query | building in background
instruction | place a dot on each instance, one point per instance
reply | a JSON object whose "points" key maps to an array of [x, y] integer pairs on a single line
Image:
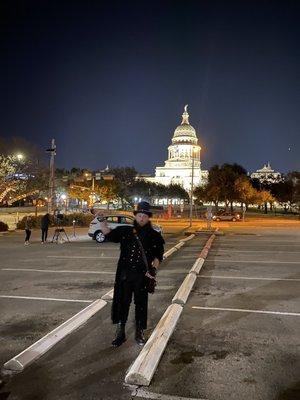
{"points": [[183, 159], [267, 175]]}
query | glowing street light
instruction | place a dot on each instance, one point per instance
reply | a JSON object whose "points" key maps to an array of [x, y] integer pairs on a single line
{"points": [[20, 156]]}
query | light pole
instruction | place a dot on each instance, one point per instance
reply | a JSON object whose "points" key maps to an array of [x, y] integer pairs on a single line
{"points": [[192, 187], [52, 152]]}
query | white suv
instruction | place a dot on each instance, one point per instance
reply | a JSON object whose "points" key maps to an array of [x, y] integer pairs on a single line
{"points": [[112, 221]]}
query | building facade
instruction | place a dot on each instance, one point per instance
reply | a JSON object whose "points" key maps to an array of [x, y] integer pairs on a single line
{"points": [[267, 175], [184, 161]]}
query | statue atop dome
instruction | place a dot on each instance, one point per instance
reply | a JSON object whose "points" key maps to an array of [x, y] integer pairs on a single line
{"points": [[185, 116]]}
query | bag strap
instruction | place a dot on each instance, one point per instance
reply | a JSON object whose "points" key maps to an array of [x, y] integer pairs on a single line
{"points": [[142, 250]]}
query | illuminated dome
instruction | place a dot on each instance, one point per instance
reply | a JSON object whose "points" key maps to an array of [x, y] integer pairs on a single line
{"points": [[185, 132]]}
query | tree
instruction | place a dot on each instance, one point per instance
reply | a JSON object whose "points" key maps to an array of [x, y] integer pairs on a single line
{"points": [[23, 172], [124, 178], [283, 193], [245, 191], [265, 197], [80, 193], [107, 191], [221, 184], [8, 181]]}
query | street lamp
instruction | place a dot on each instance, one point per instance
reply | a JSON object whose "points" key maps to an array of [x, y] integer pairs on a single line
{"points": [[19, 156], [194, 151], [52, 152]]}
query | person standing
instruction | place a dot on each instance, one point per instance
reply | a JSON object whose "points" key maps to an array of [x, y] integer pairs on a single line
{"points": [[28, 226], [132, 269], [45, 221]]}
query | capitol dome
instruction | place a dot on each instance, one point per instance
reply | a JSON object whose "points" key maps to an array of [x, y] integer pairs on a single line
{"points": [[185, 132]]}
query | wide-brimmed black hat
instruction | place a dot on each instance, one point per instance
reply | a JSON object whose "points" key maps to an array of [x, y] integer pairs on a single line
{"points": [[144, 208]]}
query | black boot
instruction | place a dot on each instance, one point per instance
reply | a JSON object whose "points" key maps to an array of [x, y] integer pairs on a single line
{"points": [[120, 335], [139, 335]]}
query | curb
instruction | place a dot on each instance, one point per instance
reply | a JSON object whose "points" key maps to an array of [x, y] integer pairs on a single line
{"points": [[187, 238], [177, 246], [143, 368], [37, 349], [196, 268], [108, 296], [184, 290]]}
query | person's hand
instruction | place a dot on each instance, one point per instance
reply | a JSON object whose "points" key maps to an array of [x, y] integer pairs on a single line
{"points": [[103, 224], [104, 227], [155, 263]]}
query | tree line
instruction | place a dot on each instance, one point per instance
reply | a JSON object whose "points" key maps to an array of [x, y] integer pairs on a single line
{"points": [[229, 184], [28, 177], [125, 188]]}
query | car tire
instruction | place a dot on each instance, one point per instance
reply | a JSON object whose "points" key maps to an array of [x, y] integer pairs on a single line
{"points": [[218, 219], [99, 237], [233, 219]]}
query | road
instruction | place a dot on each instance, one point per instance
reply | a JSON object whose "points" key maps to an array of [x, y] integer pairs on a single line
{"points": [[237, 337]]}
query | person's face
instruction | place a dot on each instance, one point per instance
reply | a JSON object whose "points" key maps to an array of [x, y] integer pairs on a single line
{"points": [[142, 219]]}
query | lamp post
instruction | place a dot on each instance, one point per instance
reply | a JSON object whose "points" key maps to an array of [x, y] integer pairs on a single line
{"points": [[52, 152], [192, 187]]}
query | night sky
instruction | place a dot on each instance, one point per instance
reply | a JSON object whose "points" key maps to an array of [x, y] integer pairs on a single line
{"points": [[109, 80]]}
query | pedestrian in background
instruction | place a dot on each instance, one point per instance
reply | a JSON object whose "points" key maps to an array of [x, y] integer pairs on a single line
{"points": [[140, 245], [45, 222], [28, 227]]}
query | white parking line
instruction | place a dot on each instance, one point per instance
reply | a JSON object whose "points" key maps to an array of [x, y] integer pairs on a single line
{"points": [[258, 243], [45, 299], [246, 311], [64, 271], [252, 251], [248, 278], [253, 262], [84, 257], [98, 248]]}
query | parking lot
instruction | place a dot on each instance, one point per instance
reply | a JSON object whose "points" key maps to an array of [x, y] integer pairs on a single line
{"points": [[44, 285], [237, 338]]}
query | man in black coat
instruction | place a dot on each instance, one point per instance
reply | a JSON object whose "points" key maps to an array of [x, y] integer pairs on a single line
{"points": [[130, 276], [45, 221]]}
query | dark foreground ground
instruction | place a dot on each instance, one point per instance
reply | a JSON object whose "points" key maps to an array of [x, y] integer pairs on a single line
{"points": [[238, 336]]}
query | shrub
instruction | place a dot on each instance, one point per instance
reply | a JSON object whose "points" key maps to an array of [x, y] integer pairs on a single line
{"points": [[3, 227], [80, 218], [35, 222]]}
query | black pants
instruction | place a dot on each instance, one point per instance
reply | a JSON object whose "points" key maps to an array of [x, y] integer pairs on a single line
{"points": [[44, 234], [134, 286], [28, 234]]}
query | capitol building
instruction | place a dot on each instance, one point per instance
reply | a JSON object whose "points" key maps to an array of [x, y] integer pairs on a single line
{"points": [[184, 161]]}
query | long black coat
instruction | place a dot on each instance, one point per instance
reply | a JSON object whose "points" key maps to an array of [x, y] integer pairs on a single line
{"points": [[153, 244], [45, 221]]}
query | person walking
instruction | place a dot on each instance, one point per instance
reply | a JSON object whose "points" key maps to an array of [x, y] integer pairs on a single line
{"points": [[45, 222], [28, 227], [139, 244]]}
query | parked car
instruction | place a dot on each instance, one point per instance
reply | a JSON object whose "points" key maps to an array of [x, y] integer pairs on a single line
{"points": [[113, 221], [226, 216]]}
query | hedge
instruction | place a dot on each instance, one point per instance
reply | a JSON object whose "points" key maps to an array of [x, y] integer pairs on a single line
{"points": [[81, 220], [3, 227]]}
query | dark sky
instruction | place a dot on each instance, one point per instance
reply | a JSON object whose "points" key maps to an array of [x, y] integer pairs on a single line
{"points": [[108, 80]]}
